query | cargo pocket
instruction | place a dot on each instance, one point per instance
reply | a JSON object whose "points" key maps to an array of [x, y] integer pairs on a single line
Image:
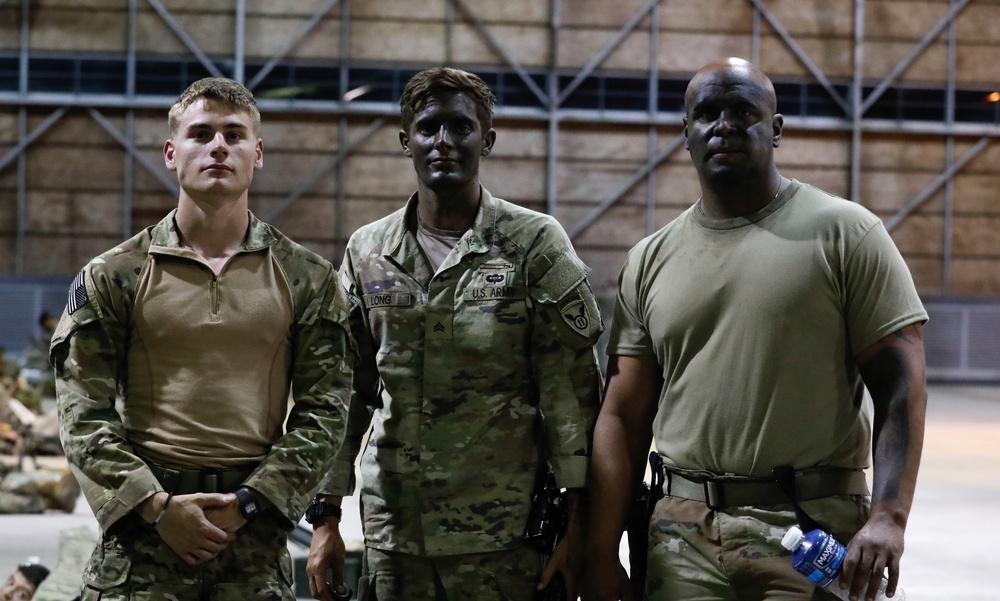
{"points": [[379, 585], [286, 571], [106, 575]]}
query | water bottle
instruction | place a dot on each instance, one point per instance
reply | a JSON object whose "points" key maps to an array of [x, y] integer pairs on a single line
{"points": [[818, 556]]}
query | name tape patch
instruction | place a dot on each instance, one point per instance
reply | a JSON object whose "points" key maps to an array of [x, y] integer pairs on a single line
{"points": [[485, 293], [388, 299]]}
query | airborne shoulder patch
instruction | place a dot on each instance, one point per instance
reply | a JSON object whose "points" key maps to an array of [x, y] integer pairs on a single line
{"points": [[77, 293]]}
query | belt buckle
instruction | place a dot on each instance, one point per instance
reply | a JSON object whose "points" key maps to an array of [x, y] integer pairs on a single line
{"points": [[715, 496], [211, 481]]}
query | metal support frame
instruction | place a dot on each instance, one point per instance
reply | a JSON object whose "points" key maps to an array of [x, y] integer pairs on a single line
{"points": [[27, 139], [799, 53], [301, 35], [605, 52], [500, 51], [182, 35], [127, 143], [551, 97], [651, 134], [915, 52], [949, 158], [856, 113], [939, 181], [647, 168], [322, 171]]}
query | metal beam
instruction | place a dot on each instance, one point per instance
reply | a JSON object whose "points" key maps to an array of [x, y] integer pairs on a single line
{"points": [[652, 107], [939, 181], [800, 53], [22, 57], [755, 37], [340, 196], [856, 112], [26, 141], [949, 158], [308, 27], [605, 204], [185, 38], [552, 138], [321, 172], [495, 45], [914, 53], [239, 37], [22, 197], [609, 117], [130, 58], [605, 52], [128, 180], [127, 144]]}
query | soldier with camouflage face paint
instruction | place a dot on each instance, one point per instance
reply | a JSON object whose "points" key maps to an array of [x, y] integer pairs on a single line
{"points": [[476, 326], [203, 324]]}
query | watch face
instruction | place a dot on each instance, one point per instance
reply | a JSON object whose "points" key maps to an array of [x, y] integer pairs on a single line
{"points": [[248, 504]]}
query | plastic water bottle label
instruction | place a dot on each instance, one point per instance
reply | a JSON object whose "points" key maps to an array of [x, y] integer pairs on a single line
{"points": [[825, 566]]}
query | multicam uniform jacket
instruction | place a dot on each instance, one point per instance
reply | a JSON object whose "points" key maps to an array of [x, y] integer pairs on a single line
{"points": [[468, 377], [90, 351]]}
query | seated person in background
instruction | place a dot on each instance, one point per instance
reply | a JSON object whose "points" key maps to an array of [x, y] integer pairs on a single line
{"points": [[23, 583]]}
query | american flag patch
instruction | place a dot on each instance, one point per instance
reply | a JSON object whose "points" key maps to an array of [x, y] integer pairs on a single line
{"points": [[77, 293]]}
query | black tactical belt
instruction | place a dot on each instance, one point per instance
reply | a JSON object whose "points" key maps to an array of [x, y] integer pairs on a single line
{"points": [[728, 492], [186, 482]]}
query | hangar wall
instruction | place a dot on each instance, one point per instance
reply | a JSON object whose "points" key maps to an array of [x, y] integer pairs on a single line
{"points": [[81, 169]]}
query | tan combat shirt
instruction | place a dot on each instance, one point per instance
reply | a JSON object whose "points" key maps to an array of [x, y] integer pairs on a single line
{"points": [[204, 365]]}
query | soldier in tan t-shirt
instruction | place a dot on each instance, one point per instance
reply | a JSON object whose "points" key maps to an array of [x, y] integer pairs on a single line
{"points": [[744, 335]]}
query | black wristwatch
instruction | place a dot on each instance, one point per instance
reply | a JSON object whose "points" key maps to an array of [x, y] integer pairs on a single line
{"points": [[317, 510], [249, 507]]}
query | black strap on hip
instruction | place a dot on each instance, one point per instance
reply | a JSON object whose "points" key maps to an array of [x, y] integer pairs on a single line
{"points": [[784, 475]]}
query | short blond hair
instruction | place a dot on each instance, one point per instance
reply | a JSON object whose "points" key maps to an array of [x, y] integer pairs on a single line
{"points": [[222, 89]]}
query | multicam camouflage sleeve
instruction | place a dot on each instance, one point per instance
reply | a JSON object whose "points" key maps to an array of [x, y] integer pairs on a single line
{"points": [[323, 359], [566, 325], [88, 350], [341, 479]]}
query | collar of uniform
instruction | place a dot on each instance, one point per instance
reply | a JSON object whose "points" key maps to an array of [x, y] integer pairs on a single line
{"points": [[484, 225], [480, 240], [165, 234]]}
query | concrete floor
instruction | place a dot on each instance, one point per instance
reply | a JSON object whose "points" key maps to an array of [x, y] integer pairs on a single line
{"points": [[950, 544]]}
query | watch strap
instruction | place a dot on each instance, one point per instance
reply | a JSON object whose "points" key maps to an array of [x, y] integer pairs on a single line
{"points": [[318, 510]]}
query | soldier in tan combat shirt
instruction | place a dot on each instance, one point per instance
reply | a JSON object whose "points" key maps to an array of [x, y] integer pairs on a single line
{"points": [[203, 323]]}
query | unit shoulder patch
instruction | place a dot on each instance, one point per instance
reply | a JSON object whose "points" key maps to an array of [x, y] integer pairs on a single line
{"points": [[575, 315]]}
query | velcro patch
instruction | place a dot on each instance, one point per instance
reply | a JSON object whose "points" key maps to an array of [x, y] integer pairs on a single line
{"points": [[77, 293], [496, 265]]}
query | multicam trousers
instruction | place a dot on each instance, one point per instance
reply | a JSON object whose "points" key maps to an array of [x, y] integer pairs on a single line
{"points": [[735, 554], [135, 564], [510, 575]]}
